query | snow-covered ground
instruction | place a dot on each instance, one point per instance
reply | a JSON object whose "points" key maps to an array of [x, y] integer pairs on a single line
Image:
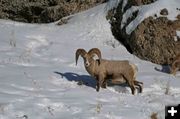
{"points": [[38, 75]]}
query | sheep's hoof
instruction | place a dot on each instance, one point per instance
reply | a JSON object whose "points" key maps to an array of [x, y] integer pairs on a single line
{"points": [[80, 83], [97, 89], [103, 86]]}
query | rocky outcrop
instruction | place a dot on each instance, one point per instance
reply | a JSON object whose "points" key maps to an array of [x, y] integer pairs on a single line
{"points": [[42, 11], [155, 39]]}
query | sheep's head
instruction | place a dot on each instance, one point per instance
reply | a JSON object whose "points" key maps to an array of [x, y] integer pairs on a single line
{"points": [[88, 57]]}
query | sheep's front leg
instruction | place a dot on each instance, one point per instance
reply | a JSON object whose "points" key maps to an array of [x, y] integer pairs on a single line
{"points": [[100, 82], [104, 84], [97, 83], [97, 86]]}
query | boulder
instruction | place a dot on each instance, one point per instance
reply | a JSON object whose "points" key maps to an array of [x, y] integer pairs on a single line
{"points": [[155, 39]]}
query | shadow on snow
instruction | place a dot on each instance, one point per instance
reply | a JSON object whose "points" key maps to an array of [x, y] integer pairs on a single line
{"points": [[80, 79], [91, 82], [165, 69]]}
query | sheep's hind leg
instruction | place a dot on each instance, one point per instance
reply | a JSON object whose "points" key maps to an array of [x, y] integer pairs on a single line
{"points": [[139, 85], [135, 81], [132, 86]]}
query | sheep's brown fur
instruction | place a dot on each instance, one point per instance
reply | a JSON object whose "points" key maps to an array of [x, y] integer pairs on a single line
{"points": [[175, 66], [117, 71]]}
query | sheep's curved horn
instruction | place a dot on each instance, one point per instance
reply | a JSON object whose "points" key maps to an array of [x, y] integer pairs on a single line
{"points": [[95, 51], [81, 52]]}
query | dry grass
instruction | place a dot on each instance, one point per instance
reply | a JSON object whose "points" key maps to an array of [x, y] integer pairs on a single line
{"points": [[154, 115], [167, 89], [98, 108], [63, 21]]}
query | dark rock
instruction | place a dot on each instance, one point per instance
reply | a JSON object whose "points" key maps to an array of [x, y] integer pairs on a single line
{"points": [[164, 11], [157, 45]]}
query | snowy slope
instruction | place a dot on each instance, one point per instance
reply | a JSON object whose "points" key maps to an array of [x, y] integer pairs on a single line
{"points": [[38, 75]]}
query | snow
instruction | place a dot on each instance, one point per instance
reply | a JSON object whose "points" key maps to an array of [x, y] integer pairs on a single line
{"points": [[178, 33], [177, 36], [112, 4], [124, 4], [38, 75]]}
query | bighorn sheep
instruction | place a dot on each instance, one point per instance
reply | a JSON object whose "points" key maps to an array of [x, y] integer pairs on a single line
{"points": [[175, 66], [102, 69]]}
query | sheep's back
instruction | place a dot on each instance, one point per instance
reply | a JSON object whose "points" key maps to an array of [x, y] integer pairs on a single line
{"points": [[112, 66]]}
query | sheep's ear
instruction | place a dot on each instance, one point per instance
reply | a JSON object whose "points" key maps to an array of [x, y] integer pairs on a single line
{"points": [[81, 52], [98, 61], [95, 57]]}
